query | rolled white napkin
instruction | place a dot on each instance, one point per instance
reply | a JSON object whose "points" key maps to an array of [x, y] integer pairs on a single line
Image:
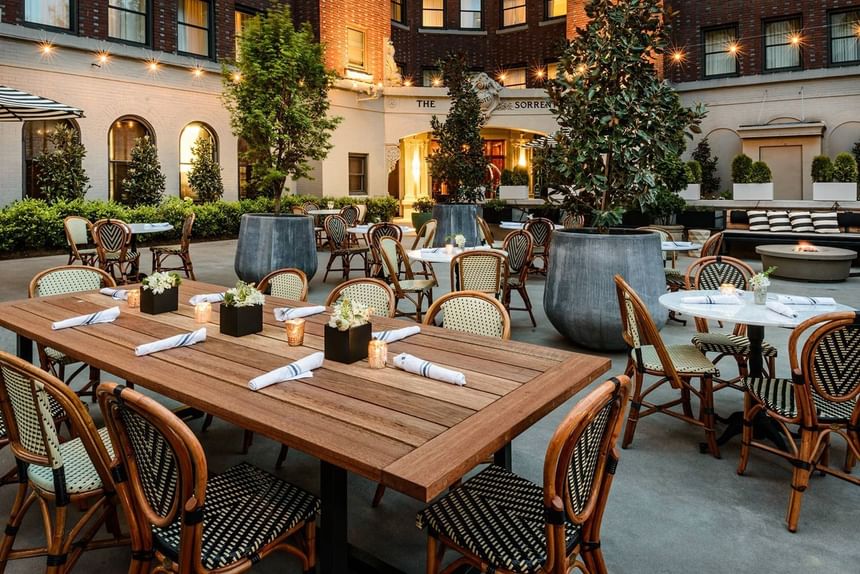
{"points": [[396, 334], [105, 316], [431, 249], [712, 300], [801, 300], [287, 313], [782, 309], [118, 294], [181, 340], [206, 298], [427, 369], [301, 369]]}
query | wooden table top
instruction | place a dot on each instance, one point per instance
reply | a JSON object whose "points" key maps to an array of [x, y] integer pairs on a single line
{"points": [[411, 433]]}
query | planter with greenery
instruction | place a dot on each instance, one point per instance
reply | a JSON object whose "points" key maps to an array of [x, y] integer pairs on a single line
{"points": [[834, 180], [422, 211], [622, 133], [497, 210], [693, 191], [61, 175], [752, 180], [242, 311], [514, 184]]}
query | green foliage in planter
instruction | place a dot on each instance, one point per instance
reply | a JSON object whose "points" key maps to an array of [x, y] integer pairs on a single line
{"points": [[822, 169], [663, 206], [516, 176], [760, 173], [423, 205], [710, 180], [741, 167], [495, 204], [205, 175], [145, 182], [694, 172], [845, 168], [61, 174], [381, 208]]}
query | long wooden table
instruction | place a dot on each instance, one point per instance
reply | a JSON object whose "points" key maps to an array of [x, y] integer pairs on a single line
{"points": [[412, 434]]}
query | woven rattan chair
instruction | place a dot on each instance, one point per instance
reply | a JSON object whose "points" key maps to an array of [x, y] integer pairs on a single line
{"points": [[370, 292], [350, 214], [500, 522], [713, 246], [709, 273], [518, 245], [194, 522], [820, 401], [541, 230], [374, 234], [52, 473], [113, 240], [674, 276], [676, 365], [182, 251], [319, 230], [480, 270], [394, 258], [79, 232], [424, 240], [338, 243], [59, 281], [286, 283], [471, 312], [485, 234], [572, 220]]}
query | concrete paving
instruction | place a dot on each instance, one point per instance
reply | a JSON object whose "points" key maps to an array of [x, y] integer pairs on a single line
{"points": [[671, 510]]}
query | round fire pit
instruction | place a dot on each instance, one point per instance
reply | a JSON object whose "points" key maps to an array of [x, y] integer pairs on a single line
{"points": [[807, 262]]}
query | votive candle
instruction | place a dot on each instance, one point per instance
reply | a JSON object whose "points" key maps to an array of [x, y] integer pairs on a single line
{"points": [[377, 354], [295, 332], [133, 298], [449, 248], [727, 289], [203, 312]]}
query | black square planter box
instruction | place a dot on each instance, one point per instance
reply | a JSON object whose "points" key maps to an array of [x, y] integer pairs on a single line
{"points": [[241, 321], [162, 303], [347, 346]]}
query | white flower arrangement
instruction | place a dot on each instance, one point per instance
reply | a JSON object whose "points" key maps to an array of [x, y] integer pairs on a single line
{"points": [[761, 280], [460, 241], [158, 283], [244, 295], [348, 314]]}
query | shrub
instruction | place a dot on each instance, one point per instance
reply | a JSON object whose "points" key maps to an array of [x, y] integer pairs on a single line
{"points": [[516, 176], [741, 167], [845, 168], [495, 204], [423, 205], [205, 175], [61, 174], [381, 208], [760, 173], [822, 169], [710, 179], [694, 171], [145, 182]]}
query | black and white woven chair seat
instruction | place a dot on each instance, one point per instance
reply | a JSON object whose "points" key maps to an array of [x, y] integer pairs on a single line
{"points": [[59, 357], [778, 396], [115, 255], [726, 343], [674, 277], [499, 516], [78, 469], [514, 281], [687, 359], [172, 249], [246, 508]]}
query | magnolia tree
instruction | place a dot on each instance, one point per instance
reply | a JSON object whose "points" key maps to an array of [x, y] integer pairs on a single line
{"points": [[144, 181], [61, 174], [277, 96], [205, 174]]}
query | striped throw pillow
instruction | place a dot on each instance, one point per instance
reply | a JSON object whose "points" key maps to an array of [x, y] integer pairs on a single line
{"points": [[801, 222], [825, 222], [758, 221], [778, 221]]}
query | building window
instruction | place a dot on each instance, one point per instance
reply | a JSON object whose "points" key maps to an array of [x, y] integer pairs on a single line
{"points": [[36, 143], [355, 49], [245, 171], [358, 174], [194, 20], [127, 20], [189, 136], [514, 78], [53, 13], [398, 11], [845, 37], [240, 22], [555, 8], [431, 78], [433, 14], [470, 14], [720, 59], [782, 44], [552, 70], [122, 136], [513, 12]]}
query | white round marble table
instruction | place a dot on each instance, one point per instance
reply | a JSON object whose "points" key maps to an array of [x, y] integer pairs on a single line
{"points": [[441, 255], [363, 229], [323, 212], [679, 246], [143, 228], [520, 225]]}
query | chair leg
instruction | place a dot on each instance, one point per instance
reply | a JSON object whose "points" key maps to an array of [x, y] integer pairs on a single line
{"points": [[207, 422], [633, 416], [747, 436], [377, 496], [55, 540], [247, 441], [16, 516], [282, 456], [800, 477], [328, 267], [708, 414], [311, 546], [435, 550], [528, 303]]}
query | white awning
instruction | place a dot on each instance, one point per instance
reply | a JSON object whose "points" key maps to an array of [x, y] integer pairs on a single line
{"points": [[18, 106]]}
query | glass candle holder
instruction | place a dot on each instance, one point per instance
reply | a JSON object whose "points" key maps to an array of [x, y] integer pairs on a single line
{"points": [[133, 298], [203, 312], [295, 332], [728, 289], [449, 248], [377, 354]]}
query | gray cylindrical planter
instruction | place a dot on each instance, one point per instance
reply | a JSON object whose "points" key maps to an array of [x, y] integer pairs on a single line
{"points": [[268, 242], [580, 298], [456, 218]]}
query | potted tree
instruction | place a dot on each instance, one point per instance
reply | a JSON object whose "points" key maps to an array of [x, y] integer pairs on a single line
{"points": [[459, 160], [693, 191], [622, 130], [752, 180], [277, 96], [514, 184], [834, 181]]}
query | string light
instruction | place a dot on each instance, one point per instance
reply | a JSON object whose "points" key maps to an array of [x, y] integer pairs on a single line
{"points": [[678, 56], [236, 77], [46, 48], [734, 48], [581, 69], [197, 71], [502, 77], [795, 39], [152, 65], [539, 73], [102, 57], [436, 81], [407, 82]]}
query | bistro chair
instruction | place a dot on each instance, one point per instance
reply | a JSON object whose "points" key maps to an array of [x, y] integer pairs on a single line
{"points": [[480, 270], [409, 288], [518, 245], [471, 312], [374, 234], [338, 244], [161, 254], [572, 220], [350, 214], [54, 473], [373, 293], [485, 234], [287, 283], [59, 281], [674, 276], [541, 230], [500, 522], [319, 230], [79, 231], [424, 240], [709, 273], [190, 521], [113, 240], [677, 365], [822, 399], [713, 246]]}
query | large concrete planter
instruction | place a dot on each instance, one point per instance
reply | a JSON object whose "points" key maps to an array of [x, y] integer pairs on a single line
{"points": [[692, 192], [268, 242], [759, 191], [822, 191], [580, 298], [456, 218]]}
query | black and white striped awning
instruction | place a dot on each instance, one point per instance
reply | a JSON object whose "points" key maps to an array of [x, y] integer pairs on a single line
{"points": [[18, 106]]}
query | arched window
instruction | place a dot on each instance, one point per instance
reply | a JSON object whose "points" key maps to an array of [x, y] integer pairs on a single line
{"points": [[36, 142], [244, 170], [190, 134], [121, 138]]}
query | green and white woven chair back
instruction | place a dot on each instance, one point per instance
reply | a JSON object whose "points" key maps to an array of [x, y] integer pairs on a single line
{"points": [[479, 273], [77, 228], [381, 230], [632, 324], [309, 206], [715, 273], [572, 220], [541, 231], [287, 286], [472, 315], [388, 246], [350, 214], [429, 234], [68, 281], [31, 409], [369, 294], [836, 364], [335, 228], [112, 236], [517, 245], [582, 471]]}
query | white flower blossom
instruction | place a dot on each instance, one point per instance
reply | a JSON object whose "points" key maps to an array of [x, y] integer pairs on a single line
{"points": [[244, 295], [158, 283], [348, 314]]}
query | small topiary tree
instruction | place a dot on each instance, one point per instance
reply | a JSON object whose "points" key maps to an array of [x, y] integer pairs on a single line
{"points": [[205, 175], [741, 166], [845, 168], [61, 174], [694, 171], [144, 184], [856, 152], [516, 176], [710, 180], [822, 169], [760, 173]]}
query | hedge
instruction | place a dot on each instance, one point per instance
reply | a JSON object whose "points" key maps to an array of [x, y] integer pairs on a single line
{"points": [[32, 225]]}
